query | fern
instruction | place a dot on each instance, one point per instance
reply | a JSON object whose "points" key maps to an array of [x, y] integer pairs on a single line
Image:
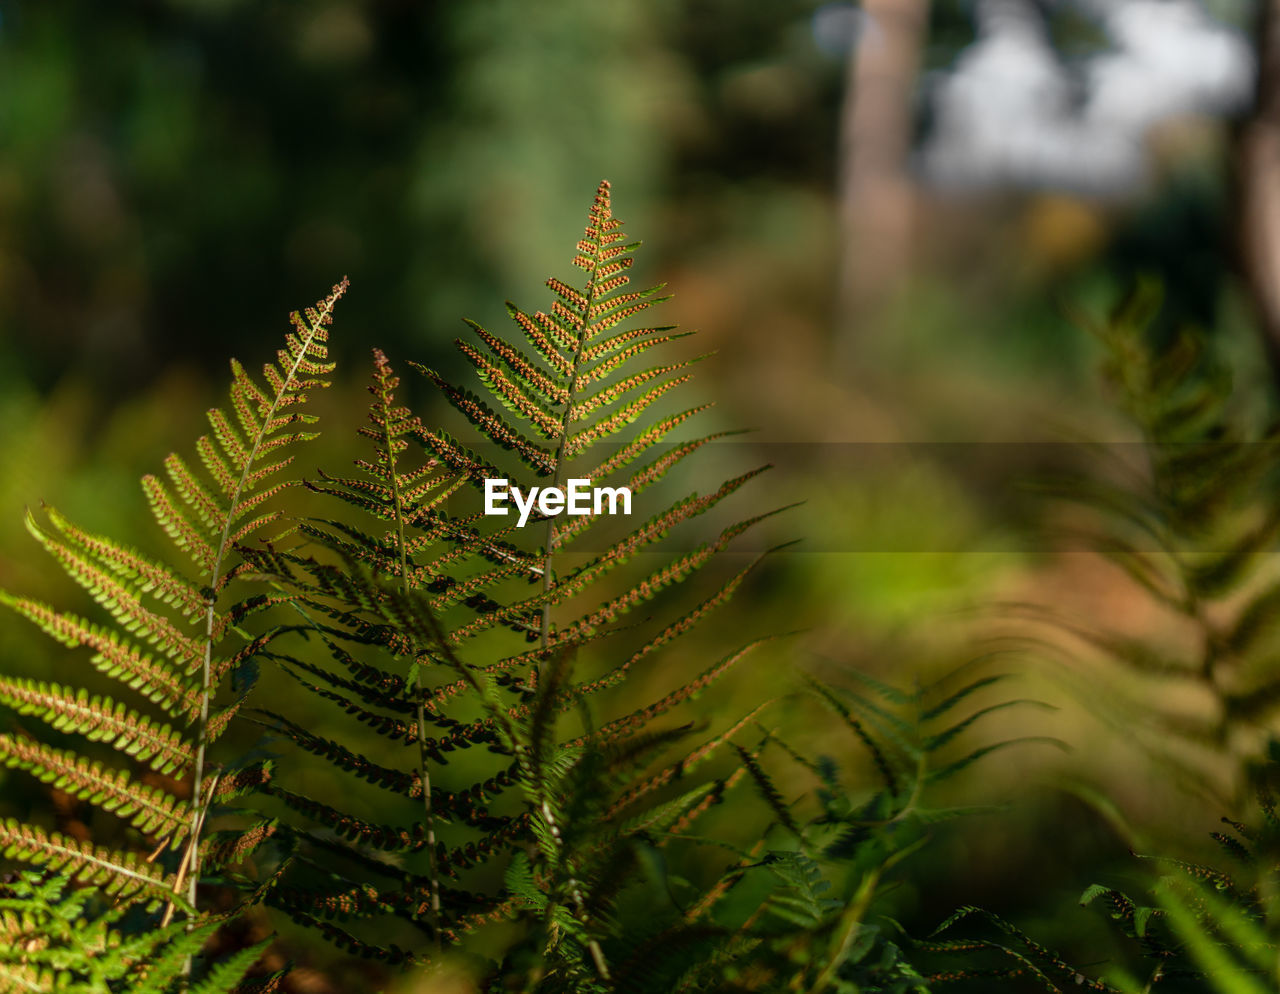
{"points": [[1190, 527], [417, 606], [52, 940], [475, 665], [1206, 928], [173, 638], [803, 909], [1234, 952], [1211, 926], [410, 603]]}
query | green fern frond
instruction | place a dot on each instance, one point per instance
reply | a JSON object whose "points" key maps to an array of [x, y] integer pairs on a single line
{"points": [[1026, 958], [52, 939], [114, 655], [767, 789], [804, 901], [100, 719], [1192, 526], [170, 638]]}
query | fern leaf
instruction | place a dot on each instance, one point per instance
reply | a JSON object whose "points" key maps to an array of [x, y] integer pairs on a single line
{"points": [[938, 739], [607, 396], [118, 875], [159, 970], [681, 768], [166, 637], [185, 535], [768, 790], [615, 351], [878, 756], [227, 974], [416, 585], [148, 809], [113, 655], [120, 599], [391, 955], [951, 769], [148, 575], [544, 387], [492, 425], [587, 438], [641, 717], [666, 635], [639, 481], [99, 719]]}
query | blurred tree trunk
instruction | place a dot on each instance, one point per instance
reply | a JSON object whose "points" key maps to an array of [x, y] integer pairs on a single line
{"points": [[1259, 165], [876, 194]]}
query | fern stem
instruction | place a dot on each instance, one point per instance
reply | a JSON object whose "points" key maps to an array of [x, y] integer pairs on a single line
{"points": [[575, 894], [191, 858], [557, 475], [199, 801], [428, 815], [557, 479], [424, 774], [850, 925]]}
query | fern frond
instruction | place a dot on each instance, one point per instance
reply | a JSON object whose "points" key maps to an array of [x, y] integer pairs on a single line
{"points": [[1192, 527], [418, 600], [170, 638], [226, 975], [121, 599], [53, 939], [641, 717], [676, 770], [113, 655]]}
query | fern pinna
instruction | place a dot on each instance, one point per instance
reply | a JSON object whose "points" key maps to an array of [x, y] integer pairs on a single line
{"points": [[483, 612], [173, 638]]}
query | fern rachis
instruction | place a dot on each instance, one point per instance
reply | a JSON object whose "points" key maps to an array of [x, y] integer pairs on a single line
{"points": [[305, 356]]}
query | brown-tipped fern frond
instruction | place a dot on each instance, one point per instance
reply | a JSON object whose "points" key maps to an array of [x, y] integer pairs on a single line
{"points": [[171, 638], [442, 629]]}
